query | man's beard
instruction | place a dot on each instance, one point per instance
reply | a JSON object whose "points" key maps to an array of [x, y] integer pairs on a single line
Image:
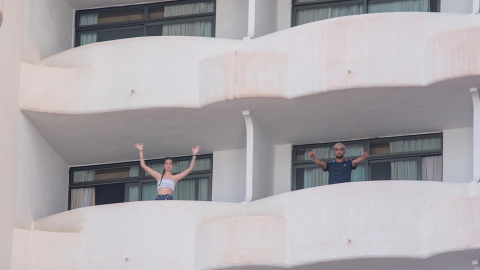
{"points": [[339, 156]]}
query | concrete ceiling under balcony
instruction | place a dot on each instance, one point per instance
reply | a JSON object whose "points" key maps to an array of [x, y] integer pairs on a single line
{"points": [[331, 116]]}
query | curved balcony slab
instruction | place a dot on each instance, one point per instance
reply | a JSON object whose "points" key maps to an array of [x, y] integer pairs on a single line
{"points": [[420, 224], [354, 52]]}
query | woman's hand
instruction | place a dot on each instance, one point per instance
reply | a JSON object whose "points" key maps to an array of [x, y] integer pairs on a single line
{"points": [[139, 146], [196, 149]]}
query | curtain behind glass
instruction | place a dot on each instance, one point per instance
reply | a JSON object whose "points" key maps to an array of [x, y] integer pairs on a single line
{"points": [[400, 6], [88, 19], [432, 168], [187, 9], [404, 170], [133, 172], [358, 174], [203, 189], [133, 193], [318, 14], [314, 177], [185, 190], [415, 145], [83, 176], [82, 197], [200, 165], [194, 29], [149, 191]]}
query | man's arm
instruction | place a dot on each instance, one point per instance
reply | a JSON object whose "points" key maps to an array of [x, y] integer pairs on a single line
{"points": [[320, 163], [360, 159]]}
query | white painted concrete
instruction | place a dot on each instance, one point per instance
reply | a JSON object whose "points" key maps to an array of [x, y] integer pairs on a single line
{"points": [[283, 169], [265, 17], [233, 245], [48, 29], [382, 219], [296, 62], [456, 6], [284, 14], [476, 134], [42, 188], [260, 160], [10, 55], [228, 176], [458, 155], [231, 19], [1, 12]]}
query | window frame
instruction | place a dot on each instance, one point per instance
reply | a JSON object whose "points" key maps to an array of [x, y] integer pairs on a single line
{"points": [[372, 158], [434, 6], [141, 179], [145, 21]]}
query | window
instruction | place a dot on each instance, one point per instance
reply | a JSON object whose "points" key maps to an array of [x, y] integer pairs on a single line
{"points": [[179, 18], [398, 158], [127, 182], [305, 11]]}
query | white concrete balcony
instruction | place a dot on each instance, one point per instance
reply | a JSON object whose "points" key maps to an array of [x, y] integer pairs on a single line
{"points": [[1, 12], [389, 68], [363, 225]]}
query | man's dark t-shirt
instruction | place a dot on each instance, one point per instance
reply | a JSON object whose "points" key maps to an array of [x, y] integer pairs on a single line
{"points": [[339, 172]]}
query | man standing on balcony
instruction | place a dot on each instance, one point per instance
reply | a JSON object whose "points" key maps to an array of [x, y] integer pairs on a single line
{"points": [[340, 169]]}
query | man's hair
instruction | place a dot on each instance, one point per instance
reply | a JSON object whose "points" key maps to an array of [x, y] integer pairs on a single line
{"points": [[341, 144]]}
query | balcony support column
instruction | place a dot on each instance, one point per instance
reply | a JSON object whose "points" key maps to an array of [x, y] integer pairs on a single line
{"points": [[476, 134], [260, 160], [476, 7]]}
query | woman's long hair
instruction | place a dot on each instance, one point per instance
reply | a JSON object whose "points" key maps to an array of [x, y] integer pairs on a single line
{"points": [[167, 158]]}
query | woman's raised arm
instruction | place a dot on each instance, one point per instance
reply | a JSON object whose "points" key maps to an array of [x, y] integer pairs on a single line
{"points": [[149, 170]]}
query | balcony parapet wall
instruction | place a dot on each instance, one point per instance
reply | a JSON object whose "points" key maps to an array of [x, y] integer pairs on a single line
{"points": [[360, 220], [364, 51]]}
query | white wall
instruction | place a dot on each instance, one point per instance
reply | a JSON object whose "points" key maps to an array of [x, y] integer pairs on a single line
{"points": [[283, 169], [260, 160], [265, 17], [284, 14], [458, 155], [10, 55], [456, 6], [231, 19], [42, 188], [48, 29], [228, 176]]}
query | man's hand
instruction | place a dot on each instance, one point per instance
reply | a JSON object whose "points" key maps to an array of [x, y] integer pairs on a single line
{"points": [[312, 154], [364, 154]]}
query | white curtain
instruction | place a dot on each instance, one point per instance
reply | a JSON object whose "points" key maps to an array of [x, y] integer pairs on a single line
{"points": [[404, 170], [400, 6], [83, 176], [82, 197], [432, 168], [185, 190], [194, 29], [133, 192], [88, 19], [200, 165], [314, 177], [358, 174], [149, 191], [187, 9], [415, 145], [133, 172], [203, 189], [317, 14]]}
